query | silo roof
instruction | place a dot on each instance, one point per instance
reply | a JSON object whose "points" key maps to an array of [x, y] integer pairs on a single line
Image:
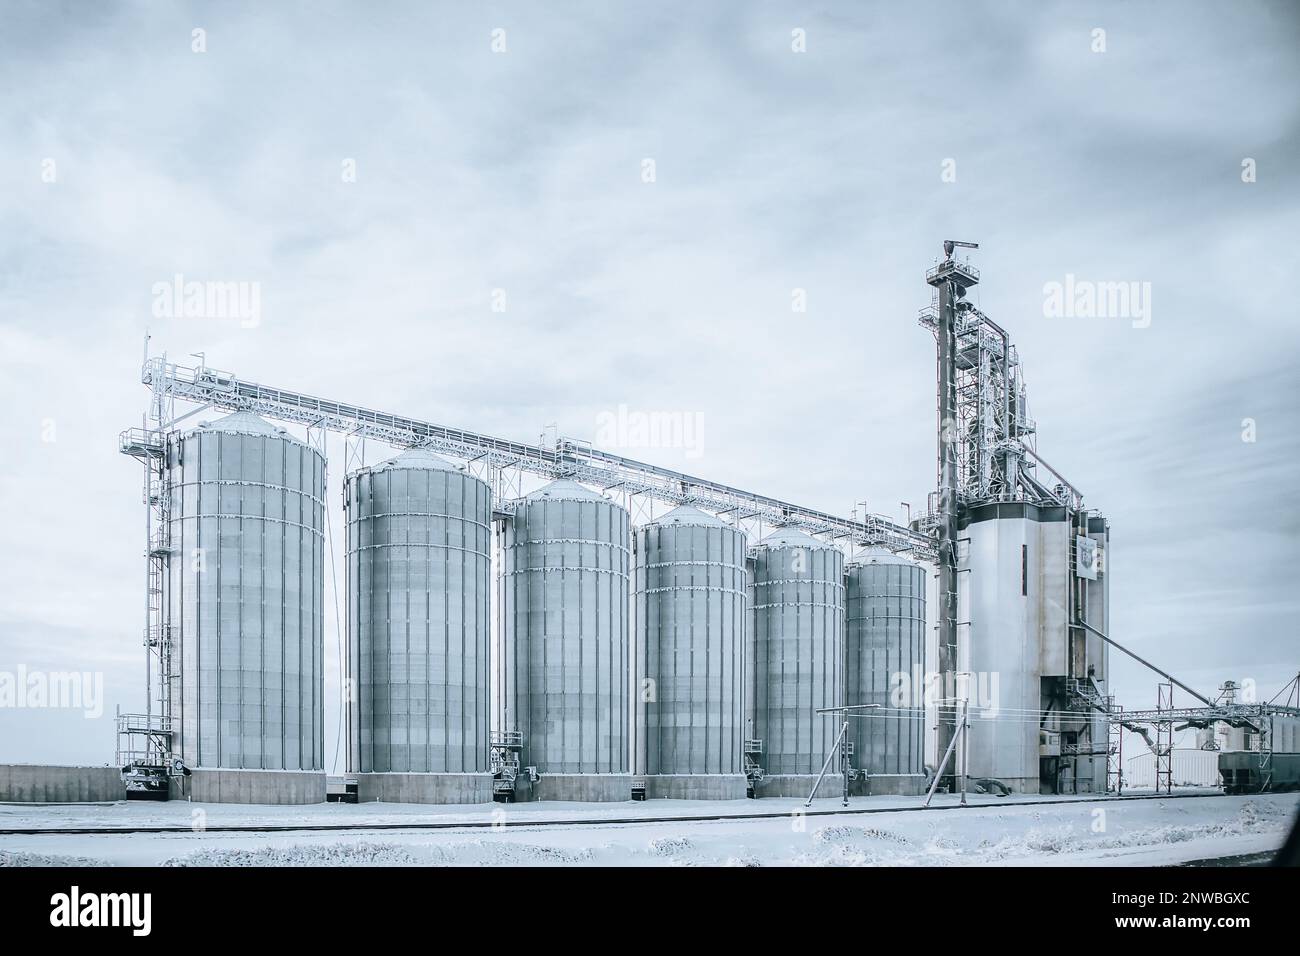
{"points": [[686, 514], [246, 423], [417, 457], [565, 489], [876, 554], [791, 537]]}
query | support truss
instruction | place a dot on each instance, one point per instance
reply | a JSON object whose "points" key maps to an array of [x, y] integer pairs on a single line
{"points": [[996, 455], [500, 461]]}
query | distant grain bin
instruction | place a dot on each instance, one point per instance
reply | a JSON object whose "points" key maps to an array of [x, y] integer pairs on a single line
{"points": [[565, 643], [689, 610], [418, 585], [246, 593], [796, 657], [884, 652]]}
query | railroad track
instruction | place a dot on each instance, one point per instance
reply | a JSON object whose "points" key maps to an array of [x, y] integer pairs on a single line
{"points": [[524, 824]]}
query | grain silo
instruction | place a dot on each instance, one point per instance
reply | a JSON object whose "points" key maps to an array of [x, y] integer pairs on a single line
{"points": [[1013, 591], [884, 651], [565, 665], [689, 611], [245, 588], [796, 658], [1033, 606], [418, 579]]}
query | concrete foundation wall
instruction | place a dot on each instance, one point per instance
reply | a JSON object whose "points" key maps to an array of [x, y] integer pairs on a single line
{"points": [[582, 787], [799, 785], [250, 786], [695, 786], [37, 783], [424, 787], [890, 784]]}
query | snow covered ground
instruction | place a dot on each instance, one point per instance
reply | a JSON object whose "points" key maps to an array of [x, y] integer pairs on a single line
{"points": [[1050, 832]]}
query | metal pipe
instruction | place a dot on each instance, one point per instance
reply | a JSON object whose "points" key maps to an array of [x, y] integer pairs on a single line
{"points": [[965, 747], [947, 526], [148, 582], [1039, 458], [1006, 385], [829, 757], [1167, 676], [939, 770]]}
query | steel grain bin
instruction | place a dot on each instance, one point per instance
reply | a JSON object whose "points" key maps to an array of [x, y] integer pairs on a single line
{"points": [[796, 653], [419, 574], [689, 601], [566, 656], [246, 581], [884, 655]]}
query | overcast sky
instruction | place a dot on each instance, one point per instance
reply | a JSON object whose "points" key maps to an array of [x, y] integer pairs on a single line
{"points": [[128, 158]]}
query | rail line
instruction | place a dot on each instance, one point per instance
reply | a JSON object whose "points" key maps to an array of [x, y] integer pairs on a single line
{"points": [[595, 822]]}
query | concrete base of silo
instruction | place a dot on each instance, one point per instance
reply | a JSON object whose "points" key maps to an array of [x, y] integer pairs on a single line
{"points": [[250, 786], [577, 787], [424, 787], [887, 784], [799, 785], [695, 786], [44, 783]]}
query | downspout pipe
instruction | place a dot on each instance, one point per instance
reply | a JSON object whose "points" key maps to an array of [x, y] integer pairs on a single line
{"points": [[1166, 675]]}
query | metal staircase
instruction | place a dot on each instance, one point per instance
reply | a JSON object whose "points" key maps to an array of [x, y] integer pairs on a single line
{"points": [[753, 761], [504, 748], [145, 745]]}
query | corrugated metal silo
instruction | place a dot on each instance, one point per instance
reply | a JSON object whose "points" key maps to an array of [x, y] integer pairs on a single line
{"points": [[246, 585], [418, 579], [565, 648], [796, 657], [884, 657], [689, 607]]}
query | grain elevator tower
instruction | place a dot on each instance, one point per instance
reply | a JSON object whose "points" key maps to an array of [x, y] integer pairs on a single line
{"points": [[1022, 575]]}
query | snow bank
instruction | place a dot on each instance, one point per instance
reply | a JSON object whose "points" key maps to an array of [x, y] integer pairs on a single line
{"points": [[1107, 832]]}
